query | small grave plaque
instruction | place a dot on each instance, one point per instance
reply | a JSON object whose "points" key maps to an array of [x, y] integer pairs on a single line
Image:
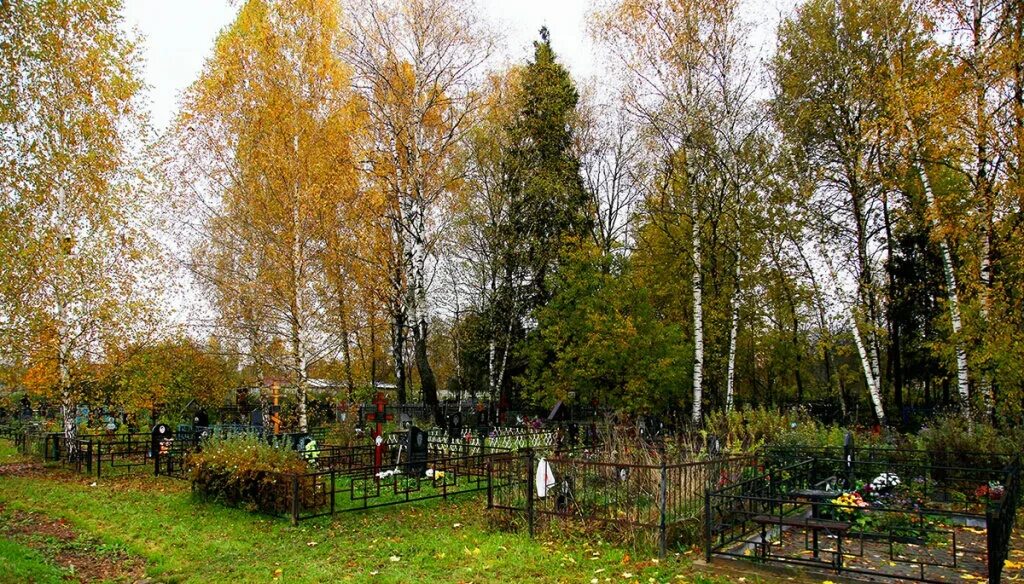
{"points": [[201, 419]]}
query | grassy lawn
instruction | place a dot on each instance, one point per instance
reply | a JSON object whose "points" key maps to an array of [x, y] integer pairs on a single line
{"points": [[20, 563], [155, 527]]}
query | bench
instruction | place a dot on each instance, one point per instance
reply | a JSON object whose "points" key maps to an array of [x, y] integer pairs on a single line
{"points": [[839, 528]]}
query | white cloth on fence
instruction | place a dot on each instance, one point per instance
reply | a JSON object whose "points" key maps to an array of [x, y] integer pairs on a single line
{"points": [[545, 478]]}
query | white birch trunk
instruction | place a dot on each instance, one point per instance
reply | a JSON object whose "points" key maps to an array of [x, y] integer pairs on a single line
{"points": [[67, 402], [698, 320], [985, 381], [733, 333], [492, 373], [298, 350], [871, 379], [963, 383]]}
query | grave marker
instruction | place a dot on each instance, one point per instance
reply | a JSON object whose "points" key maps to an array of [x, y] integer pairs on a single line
{"points": [[201, 419], [162, 437], [379, 417], [417, 443]]}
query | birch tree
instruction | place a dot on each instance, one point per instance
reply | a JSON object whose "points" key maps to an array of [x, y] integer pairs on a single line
{"points": [[416, 65], [684, 83], [265, 168], [75, 242]]}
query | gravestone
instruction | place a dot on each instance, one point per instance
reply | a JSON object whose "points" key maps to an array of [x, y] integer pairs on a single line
{"points": [[714, 447], [416, 441], [848, 458], [574, 435], [201, 419], [162, 437], [256, 418], [26, 408], [405, 420], [566, 496], [455, 425], [559, 412], [591, 439]]}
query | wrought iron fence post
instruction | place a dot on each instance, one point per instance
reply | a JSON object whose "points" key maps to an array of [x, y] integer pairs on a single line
{"points": [[295, 499], [662, 536], [707, 525], [529, 489], [99, 459], [490, 484], [848, 448], [156, 462]]}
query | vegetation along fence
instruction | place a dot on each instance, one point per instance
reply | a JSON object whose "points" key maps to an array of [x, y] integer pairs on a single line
{"points": [[665, 499], [348, 479]]}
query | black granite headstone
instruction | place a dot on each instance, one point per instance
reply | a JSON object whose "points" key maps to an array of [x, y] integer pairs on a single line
{"points": [[455, 425], [162, 437], [201, 419], [417, 444]]}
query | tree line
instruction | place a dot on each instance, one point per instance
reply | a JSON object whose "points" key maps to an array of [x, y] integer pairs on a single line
{"points": [[375, 192]]}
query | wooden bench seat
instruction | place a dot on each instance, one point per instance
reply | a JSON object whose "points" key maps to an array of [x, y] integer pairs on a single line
{"points": [[805, 522]]}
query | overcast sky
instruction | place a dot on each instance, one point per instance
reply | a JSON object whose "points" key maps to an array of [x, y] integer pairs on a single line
{"points": [[178, 36]]}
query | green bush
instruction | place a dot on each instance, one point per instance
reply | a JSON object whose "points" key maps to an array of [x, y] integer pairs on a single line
{"points": [[751, 428], [247, 472], [959, 442]]}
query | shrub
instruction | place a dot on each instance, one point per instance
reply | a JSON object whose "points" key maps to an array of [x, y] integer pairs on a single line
{"points": [[247, 472], [750, 428], [958, 442]]}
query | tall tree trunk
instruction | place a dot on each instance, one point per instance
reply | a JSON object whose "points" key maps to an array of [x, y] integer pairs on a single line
{"points": [[416, 264], [982, 186], [346, 349], [297, 265], [734, 308], [894, 364], [67, 404], [698, 317], [826, 334], [866, 284], [872, 381], [870, 372], [963, 383], [398, 350]]}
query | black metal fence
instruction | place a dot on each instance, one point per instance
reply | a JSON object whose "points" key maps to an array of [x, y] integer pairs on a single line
{"points": [[665, 499], [926, 522], [344, 482], [1000, 517]]}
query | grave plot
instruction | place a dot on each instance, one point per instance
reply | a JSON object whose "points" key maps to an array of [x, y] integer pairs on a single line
{"points": [[660, 502], [887, 514], [344, 479]]}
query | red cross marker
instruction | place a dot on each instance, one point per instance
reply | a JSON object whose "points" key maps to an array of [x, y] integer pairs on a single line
{"points": [[380, 416]]}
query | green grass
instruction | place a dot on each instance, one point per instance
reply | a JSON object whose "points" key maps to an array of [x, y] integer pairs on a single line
{"points": [[7, 452], [185, 541], [157, 521], [19, 563]]}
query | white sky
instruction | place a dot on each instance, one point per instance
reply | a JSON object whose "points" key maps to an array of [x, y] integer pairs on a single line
{"points": [[178, 36]]}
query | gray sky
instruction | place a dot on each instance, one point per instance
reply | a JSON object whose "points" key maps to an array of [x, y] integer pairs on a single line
{"points": [[179, 34]]}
